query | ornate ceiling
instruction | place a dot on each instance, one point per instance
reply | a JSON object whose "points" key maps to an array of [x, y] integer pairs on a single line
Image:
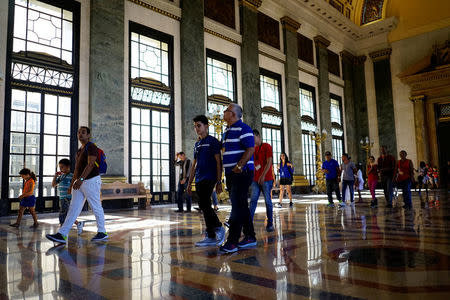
{"points": [[361, 12]]}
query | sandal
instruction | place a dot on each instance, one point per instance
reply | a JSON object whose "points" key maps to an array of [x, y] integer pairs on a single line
{"points": [[16, 225], [35, 225]]}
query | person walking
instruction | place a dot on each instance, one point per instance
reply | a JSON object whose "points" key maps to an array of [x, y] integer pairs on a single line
{"points": [[349, 169], [207, 168], [86, 184], [423, 177], [239, 145], [332, 173], [185, 170], [286, 171], [27, 198], [359, 182], [386, 166], [404, 175], [372, 179], [263, 179]]}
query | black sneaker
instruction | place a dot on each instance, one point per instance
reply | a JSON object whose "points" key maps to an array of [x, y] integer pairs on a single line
{"points": [[373, 204], [57, 238], [269, 228], [247, 242], [291, 204], [100, 236], [179, 211], [229, 248]]}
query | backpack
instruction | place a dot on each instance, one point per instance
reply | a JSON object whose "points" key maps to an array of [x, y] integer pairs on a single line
{"points": [[100, 163]]}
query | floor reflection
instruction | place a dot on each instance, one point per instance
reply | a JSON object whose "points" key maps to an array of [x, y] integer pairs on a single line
{"points": [[314, 252]]}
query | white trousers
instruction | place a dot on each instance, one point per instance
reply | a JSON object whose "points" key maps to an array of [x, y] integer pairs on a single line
{"points": [[90, 190]]}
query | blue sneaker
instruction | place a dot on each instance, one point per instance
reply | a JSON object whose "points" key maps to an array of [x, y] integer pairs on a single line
{"points": [[220, 235], [330, 205], [247, 242], [100, 236], [229, 248], [342, 204], [57, 238]]}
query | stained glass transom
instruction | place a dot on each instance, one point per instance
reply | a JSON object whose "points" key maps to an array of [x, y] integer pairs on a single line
{"points": [[271, 119], [336, 111], [220, 78], [150, 96], [41, 75], [307, 103], [270, 92]]}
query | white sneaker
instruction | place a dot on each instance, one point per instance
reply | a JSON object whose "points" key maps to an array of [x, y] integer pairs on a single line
{"points": [[80, 225], [220, 235]]}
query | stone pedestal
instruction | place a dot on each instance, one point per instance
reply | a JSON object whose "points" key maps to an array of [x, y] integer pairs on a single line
{"points": [[106, 79], [192, 69], [384, 98], [251, 94], [324, 91], [294, 129]]}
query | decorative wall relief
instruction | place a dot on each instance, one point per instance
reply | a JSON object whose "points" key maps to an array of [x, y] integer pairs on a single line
{"points": [[372, 11]]}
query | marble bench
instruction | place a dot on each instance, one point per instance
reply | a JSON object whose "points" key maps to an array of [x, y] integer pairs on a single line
{"points": [[120, 190]]}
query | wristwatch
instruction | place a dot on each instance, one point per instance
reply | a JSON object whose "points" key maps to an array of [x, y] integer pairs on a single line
{"points": [[81, 179], [239, 167]]}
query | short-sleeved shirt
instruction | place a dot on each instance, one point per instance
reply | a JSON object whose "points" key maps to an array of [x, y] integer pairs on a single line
{"points": [[331, 166], [82, 160], [286, 171], [372, 172], [204, 152], [261, 155], [386, 165], [348, 168], [28, 186], [63, 182], [237, 138]]}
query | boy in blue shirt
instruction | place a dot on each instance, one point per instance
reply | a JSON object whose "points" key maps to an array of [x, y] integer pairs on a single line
{"points": [[207, 168], [332, 173], [62, 180]]}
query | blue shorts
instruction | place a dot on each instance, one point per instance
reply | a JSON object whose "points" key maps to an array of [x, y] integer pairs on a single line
{"points": [[29, 201]]}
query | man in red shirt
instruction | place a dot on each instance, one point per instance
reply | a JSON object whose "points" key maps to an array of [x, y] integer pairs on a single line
{"points": [[263, 179], [386, 166]]}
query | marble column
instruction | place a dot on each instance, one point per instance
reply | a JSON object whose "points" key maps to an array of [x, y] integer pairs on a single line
{"points": [[106, 77], [420, 128], [360, 102], [384, 99], [251, 94], [294, 129], [324, 90], [430, 114], [192, 69]]}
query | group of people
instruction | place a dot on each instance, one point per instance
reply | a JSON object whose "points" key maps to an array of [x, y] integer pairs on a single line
{"points": [[386, 169]]}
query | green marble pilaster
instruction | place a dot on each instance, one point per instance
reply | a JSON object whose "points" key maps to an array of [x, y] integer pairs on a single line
{"points": [[360, 101], [192, 69], [384, 98], [293, 119], [324, 90], [251, 94], [106, 77]]}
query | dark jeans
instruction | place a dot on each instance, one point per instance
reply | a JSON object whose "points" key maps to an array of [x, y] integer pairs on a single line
{"points": [[204, 190], [405, 185], [64, 204], [240, 219], [350, 184], [180, 196], [388, 188], [333, 186]]}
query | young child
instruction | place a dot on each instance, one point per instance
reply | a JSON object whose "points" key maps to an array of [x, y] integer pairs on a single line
{"points": [[62, 180], [359, 182], [372, 179], [27, 199]]}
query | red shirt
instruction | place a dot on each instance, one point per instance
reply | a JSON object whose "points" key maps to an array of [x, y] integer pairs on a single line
{"points": [[404, 166], [261, 155], [372, 172]]}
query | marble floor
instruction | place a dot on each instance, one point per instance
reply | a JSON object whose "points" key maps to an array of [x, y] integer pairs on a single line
{"points": [[315, 252]]}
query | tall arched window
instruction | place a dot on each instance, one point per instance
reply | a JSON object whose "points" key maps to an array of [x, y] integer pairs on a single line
{"points": [[337, 128], [151, 110], [309, 123], [41, 105], [271, 113], [220, 84]]}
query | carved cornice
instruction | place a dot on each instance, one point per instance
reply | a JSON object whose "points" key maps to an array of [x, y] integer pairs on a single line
{"points": [[253, 4], [382, 54], [322, 42], [347, 57], [156, 9], [360, 60], [290, 24], [417, 99], [222, 36]]}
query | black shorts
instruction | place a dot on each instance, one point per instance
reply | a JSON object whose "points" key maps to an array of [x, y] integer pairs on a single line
{"points": [[285, 181]]}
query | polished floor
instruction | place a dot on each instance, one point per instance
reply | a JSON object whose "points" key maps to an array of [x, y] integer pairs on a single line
{"points": [[315, 252]]}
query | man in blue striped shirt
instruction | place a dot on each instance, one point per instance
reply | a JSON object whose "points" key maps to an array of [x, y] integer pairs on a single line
{"points": [[239, 145]]}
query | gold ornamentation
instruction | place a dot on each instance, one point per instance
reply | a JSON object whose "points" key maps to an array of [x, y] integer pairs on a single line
{"points": [[18, 84], [417, 99], [367, 145], [290, 24], [318, 137], [156, 9], [381, 54], [322, 42], [253, 4], [222, 36], [300, 180]]}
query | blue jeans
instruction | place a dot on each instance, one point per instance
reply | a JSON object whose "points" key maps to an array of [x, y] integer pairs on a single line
{"points": [[214, 198], [345, 184], [388, 188], [405, 185], [256, 190], [180, 196]]}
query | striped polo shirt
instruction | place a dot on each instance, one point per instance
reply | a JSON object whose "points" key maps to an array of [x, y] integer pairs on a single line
{"points": [[236, 139], [63, 182]]}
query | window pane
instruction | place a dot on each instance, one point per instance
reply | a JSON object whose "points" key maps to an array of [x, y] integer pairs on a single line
{"points": [[49, 165], [156, 167], [33, 143], [48, 190], [145, 167], [145, 150], [145, 132], [135, 115], [165, 135], [145, 115], [220, 78], [33, 122], [135, 167], [165, 183], [135, 132], [135, 150], [156, 184], [155, 118], [64, 125], [15, 186], [63, 145], [64, 104], [155, 135], [17, 143], [32, 163], [33, 102], [165, 151], [165, 120], [16, 163], [49, 144], [17, 121], [156, 150], [18, 99], [50, 124], [165, 170]]}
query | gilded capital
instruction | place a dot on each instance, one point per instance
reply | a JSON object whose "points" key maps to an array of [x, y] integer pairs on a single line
{"points": [[382, 54], [253, 4], [417, 98], [290, 24], [320, 41]]}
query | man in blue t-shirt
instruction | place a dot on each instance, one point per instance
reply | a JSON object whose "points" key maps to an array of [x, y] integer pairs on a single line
{"points": [[332, 173], [239, 145], [207, 167]]}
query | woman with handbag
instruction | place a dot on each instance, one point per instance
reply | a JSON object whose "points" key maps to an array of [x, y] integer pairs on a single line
{"points": [[286, 171]]}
